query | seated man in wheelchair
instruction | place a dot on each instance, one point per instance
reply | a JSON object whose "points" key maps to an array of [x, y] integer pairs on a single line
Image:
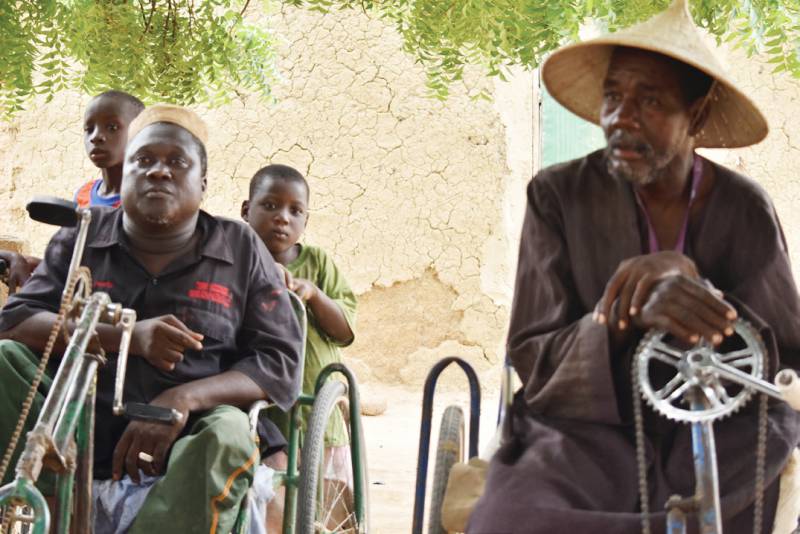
{"points": [[216, 331], [644, 234]]}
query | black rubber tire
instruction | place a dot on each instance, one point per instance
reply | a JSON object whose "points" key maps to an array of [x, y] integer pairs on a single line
{"points": [[330, 397], [449, 450]]}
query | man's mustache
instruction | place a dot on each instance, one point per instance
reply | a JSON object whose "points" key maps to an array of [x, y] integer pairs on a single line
{"points": [[627, 141]]}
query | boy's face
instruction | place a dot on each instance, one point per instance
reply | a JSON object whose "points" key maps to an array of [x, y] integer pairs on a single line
{"points": [[278, 212], [105, 130]]}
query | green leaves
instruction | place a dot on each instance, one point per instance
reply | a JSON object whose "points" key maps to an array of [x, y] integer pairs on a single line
{"points": [[447, 35], [188, 51], [181, 51]]}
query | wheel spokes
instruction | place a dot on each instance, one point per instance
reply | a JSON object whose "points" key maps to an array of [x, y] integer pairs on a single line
{"points": [[670, 387], [720, 391], [675, 395], [661, 348], [336, 511], [749, 361], [746, 352], [711, 395], [666, 358]]}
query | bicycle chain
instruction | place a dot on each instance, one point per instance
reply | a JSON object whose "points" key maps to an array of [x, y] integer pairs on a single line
{"points": [[641, 460], [761, 458], [81, 274]]}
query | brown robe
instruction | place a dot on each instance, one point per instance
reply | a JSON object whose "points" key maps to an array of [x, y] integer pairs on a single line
{"points": [[569, 463]]}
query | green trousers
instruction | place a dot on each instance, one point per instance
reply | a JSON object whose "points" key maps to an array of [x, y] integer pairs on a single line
{"points": [[208, 472]]}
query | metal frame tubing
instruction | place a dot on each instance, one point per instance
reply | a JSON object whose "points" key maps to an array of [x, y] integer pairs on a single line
{"points": [[76, 400], [676, 521], [506, 391], [291, 479], [22, 492], [64, 484], [425, 430], [67, 373], [84, 471], [57, 420], [359, 480], [705, 471]]}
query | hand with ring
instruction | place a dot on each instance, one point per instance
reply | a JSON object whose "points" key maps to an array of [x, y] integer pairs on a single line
{"points": [[145, 446]]}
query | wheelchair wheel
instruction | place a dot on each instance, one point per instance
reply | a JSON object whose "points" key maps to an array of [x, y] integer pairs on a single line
{"points": [[325, 503], [449, 450]]}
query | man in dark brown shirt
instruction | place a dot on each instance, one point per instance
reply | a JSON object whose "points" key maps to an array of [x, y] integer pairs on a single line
{"points": [[644, 234], [215, 330]]}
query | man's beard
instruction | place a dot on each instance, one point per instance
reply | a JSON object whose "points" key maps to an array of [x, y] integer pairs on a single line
{"points": [[158, 217], [622, 169], [158, 220]]}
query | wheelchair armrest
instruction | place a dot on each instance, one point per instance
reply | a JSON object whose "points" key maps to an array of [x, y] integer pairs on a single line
{"points": [[254, 412]]}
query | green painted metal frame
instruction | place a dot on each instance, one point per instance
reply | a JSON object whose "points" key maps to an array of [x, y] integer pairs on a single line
{"points": [[23, 491], [61, 420], [290, 479], [359, 478]]}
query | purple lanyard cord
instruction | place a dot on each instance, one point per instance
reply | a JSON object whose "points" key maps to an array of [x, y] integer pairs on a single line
{"points": [[697, 178]]}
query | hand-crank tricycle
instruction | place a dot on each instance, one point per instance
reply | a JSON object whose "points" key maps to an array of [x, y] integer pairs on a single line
{"points": [[700, 385]]}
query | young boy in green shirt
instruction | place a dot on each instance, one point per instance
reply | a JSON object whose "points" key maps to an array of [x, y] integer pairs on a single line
{"points": [[277, 209]]}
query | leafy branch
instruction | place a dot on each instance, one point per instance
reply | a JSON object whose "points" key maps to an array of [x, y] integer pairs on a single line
{"points": [[189, 51], [161, 50], [447, 35]]}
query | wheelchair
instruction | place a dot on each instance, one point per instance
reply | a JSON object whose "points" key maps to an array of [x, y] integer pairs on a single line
{"points": [[62, 438], [314, 502], [451, 447]]}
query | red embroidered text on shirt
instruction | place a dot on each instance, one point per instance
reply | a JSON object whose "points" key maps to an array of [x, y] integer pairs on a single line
{"points": [[212, 293], [104, 284]]}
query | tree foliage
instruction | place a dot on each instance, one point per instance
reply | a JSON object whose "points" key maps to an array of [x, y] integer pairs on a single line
{"points": [[187, 51], [166, 50], [447, 35]]}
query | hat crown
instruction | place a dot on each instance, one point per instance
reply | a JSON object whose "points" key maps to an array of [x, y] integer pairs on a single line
{"points": [[674, 33], [178, 115], [574, 74]]}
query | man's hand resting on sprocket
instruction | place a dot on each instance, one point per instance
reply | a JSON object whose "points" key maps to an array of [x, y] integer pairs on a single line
{"points": [[664, 290]]}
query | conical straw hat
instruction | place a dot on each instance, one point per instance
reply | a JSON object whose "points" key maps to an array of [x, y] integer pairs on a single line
{"points": [[574, 76]]}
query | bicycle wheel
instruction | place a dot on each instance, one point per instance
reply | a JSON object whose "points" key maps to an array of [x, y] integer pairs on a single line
{"points": [[326, 504], [449, 450]]}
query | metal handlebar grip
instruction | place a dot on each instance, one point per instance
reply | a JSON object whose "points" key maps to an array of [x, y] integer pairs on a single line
{"points": [[128, 320], [152, 414], [789, 386]]}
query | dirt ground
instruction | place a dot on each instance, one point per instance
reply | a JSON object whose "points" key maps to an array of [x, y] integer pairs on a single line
{"points": [[392, 448]]}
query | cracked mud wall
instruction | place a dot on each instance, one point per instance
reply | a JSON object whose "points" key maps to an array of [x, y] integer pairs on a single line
{"points": [[774, 162], [418, 200]]}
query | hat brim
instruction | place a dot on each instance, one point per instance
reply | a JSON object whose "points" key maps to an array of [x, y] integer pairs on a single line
{"points": [[574, 76]]}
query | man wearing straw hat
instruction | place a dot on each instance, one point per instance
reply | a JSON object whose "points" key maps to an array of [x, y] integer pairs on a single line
{"points": [[643, 234]]}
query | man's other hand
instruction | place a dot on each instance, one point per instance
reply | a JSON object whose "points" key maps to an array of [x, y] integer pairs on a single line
{"points": [[163, 340], [630, 286], [19, 270], [152, 439], [287, 276], [688, 309]]}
